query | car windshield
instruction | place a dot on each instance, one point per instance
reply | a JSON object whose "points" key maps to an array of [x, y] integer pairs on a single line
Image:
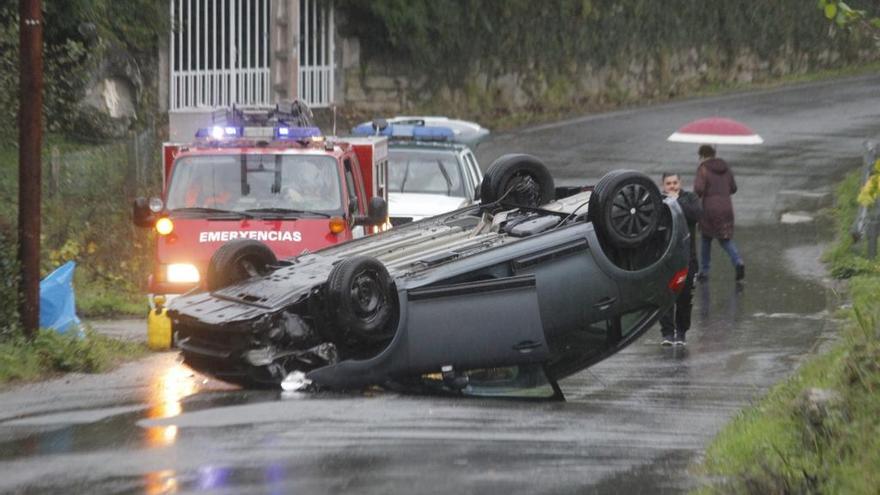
{"points": [[248, 182], [428, 171]]}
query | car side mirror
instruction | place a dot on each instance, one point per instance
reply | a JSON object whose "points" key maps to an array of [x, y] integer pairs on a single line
{"points": [[141, 214], [145, 211], [377, 212]]}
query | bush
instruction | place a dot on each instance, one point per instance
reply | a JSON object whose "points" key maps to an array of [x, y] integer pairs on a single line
{"points": [[51, 352], [9, 274]]}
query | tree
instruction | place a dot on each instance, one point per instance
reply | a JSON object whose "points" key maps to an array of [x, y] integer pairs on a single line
{"points": [[845, 17]]}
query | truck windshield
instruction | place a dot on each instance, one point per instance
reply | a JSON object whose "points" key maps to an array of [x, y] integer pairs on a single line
{"points": [[429, 171], [240, 183]]}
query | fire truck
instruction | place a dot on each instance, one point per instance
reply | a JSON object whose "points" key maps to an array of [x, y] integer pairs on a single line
{"points": [[268, 184]]}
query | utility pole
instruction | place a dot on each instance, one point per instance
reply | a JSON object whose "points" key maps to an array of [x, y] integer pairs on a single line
{"points": [[30, 128], [284, 66]]}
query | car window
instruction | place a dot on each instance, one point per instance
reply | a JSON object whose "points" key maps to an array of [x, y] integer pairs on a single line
{"points": [[425, 171], [351, 188], [250, 181], [473, 172], [475, 166]]}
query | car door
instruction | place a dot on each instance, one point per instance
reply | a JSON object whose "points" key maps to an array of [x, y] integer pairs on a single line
{"points": [[355, 197]]}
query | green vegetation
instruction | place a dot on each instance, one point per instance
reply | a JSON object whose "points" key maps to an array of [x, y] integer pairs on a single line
{"points": [[825, 441], [51, 353], [86, 218], [81, 36], [468, 55], [846, 258]]}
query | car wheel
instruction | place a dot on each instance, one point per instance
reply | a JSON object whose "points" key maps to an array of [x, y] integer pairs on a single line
{"points": [[517, 179], [361, 298], [626, 208], [238, 260]]}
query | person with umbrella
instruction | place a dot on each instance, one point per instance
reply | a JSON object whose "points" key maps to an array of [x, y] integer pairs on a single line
{"points": [[714, 185]]}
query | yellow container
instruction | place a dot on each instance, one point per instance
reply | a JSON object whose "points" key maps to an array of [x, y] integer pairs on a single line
{"points": [[159, 329]]}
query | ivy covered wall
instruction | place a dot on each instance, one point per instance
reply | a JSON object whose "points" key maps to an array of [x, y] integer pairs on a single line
{"points": [[508, 55]]}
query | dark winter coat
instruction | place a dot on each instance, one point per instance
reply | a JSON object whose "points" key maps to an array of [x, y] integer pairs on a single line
{"points": [[693, 211], [714, 185]]}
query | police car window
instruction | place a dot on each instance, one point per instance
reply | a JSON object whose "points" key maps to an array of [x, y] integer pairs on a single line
{"points": [[243, 182], [427, 172]]}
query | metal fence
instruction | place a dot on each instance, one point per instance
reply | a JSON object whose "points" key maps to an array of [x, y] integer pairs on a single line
{"points": [[867, 222], [316, 48], [219, 53]]}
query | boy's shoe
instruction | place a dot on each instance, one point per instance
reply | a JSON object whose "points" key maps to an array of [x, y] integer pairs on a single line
{"points": [[679, 339], [740, 272], [701, 276], [667, 340]]}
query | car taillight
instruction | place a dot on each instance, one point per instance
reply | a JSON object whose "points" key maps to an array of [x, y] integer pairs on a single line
{"points": [[676, 283]]}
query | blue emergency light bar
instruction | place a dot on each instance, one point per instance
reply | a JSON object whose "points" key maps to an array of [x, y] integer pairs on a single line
{"points": [[219, 132], [406, 131], [296, 133]]}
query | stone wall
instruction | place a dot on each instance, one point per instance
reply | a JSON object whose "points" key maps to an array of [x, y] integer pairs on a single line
{"points": [[370, 88]]}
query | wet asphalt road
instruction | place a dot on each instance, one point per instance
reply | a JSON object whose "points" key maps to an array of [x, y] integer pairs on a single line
{"points": [[635, 423]]}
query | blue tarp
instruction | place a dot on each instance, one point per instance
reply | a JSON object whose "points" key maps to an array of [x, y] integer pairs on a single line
{"points": [[57, 303]]}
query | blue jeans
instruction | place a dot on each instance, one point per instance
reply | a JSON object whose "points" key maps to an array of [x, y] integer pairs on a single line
{"points": [[706, 253]]}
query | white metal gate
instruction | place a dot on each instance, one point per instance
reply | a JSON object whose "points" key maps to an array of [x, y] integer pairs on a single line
{"points": [[219, 53], [316, 52]]}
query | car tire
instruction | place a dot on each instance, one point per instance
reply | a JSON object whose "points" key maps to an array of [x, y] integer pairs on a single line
{"points": [[517, 179], [238, 260], [625, 208], [361, 298]]}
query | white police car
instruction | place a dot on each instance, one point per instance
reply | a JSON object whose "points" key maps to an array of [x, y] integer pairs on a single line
{"points": [[431, 168]]}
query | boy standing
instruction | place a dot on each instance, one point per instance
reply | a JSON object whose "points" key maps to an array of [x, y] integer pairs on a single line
{"points": [[675, 322]]}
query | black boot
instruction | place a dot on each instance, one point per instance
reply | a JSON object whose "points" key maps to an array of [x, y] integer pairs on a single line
{"points": [[740, 272]]}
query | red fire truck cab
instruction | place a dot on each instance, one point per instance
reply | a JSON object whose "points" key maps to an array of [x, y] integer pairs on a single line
{"points": [[262, 176]]}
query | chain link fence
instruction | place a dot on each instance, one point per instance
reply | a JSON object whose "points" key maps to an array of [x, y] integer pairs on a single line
{"points": [[88, 192]]}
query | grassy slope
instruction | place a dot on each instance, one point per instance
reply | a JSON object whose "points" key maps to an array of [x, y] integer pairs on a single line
{"points": [[776, 446]]}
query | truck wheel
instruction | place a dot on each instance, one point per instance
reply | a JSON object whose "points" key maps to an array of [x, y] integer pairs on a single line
{"points": [[361, 298], [517, 179], [238, 260], [626, 208]]}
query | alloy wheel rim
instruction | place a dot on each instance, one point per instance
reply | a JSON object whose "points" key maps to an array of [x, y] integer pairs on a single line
{"points": [[632, 210]]}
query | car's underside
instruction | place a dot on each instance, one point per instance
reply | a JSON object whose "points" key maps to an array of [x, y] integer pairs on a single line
{"points": [[501, 296]]}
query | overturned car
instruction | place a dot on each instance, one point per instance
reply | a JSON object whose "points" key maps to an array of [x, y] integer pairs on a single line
{"points": [[534, 284]]}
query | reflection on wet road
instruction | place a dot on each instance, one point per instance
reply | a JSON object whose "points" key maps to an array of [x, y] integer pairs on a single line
{"points": [[633, 423]]}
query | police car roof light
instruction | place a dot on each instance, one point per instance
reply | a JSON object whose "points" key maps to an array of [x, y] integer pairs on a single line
{"points": [[432, 133], [368, 130], [417, 132]]}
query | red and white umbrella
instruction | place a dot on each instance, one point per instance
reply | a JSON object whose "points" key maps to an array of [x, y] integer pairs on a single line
{"points": [[715, 130]]}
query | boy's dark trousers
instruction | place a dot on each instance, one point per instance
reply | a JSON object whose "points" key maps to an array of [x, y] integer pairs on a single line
{"points": [[678, 317]]}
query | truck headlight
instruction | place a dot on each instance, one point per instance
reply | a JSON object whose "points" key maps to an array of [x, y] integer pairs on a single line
{"points": [[182, 273]]}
